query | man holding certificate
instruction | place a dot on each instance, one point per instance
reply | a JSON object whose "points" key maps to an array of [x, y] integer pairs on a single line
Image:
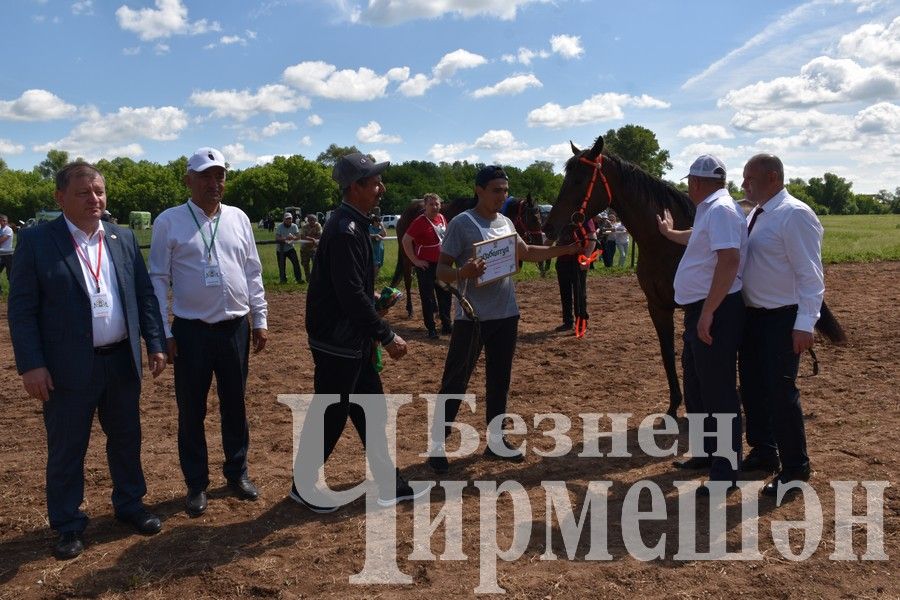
{"points": [[485, 249]]}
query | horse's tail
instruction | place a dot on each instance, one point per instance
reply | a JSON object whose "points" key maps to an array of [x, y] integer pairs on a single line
{"points": [[829, 327], [398, 269]]}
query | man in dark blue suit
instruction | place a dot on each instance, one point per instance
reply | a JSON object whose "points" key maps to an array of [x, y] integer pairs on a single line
{"points": [[80, 301]]}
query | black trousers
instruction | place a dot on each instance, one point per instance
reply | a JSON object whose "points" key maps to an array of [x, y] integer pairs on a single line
{"points": [[204, 350], [113, 392], [346, 376], [427, 292], [290, 255], [710, 375], [572, 281], [6, 261], [609, 251], [768, 367], [498, 339]]}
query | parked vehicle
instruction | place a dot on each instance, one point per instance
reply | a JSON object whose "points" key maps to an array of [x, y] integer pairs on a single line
{"points": [[390, 221]]}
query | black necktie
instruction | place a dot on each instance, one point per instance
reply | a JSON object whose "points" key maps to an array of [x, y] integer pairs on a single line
{"points": [[753, 220]]}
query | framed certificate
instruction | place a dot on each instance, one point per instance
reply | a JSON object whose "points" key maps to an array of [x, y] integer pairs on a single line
{"points": [[499, 257]]}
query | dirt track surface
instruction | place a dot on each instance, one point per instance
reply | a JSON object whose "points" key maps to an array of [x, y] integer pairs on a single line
{"points": [[275, 548]]}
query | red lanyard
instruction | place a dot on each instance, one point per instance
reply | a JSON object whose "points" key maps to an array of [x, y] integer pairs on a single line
{"points": [[87, 262]]}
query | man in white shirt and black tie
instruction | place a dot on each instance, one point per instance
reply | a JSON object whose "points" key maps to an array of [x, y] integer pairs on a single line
{"points": [[783, 288], [205, 251]]}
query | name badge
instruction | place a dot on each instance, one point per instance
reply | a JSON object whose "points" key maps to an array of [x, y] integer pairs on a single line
{"points": [[211, 275], [101, 305]]}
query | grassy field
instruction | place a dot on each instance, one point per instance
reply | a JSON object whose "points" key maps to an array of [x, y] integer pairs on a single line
{"points": [[848, 238]]}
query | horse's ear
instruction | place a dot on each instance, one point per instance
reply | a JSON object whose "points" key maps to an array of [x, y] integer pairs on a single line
{"points": [[598, 147], [575, 149]]}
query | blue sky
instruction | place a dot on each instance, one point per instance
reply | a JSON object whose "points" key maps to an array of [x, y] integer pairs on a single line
{"points": [[510, 81]]}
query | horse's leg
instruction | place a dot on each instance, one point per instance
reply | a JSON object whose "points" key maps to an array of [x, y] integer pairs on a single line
{"points": [[664, 322]]}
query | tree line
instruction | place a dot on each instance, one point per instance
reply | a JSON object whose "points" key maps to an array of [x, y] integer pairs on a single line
{"points": [[265, 190]]}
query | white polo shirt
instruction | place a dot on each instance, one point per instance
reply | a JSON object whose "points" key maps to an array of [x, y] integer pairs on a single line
{"points": [[784, 260], [718, 225]]}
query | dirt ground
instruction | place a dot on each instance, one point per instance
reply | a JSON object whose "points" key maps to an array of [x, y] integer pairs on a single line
{"points": [[275, 548]]}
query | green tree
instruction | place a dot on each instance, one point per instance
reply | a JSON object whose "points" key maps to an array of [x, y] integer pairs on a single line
{"points": [[333, 153], [539, 180], [3, 166], [309, 184], [833, 192], [50, 166], [638, 145], [257, 189]]}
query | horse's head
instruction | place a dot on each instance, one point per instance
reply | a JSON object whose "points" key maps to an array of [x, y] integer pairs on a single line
{"points": [[582, 193]]}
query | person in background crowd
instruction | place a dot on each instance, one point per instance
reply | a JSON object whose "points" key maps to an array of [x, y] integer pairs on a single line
{"points": [[6, 247], [619, 237], [286, 233], [422, 245], [310, 233]]}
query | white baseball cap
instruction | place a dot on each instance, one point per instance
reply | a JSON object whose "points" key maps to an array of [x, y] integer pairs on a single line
{"points": [[707, 166], [205, 158]]}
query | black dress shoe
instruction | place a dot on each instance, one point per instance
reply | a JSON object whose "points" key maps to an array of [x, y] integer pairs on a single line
{"points": [[143, 521], [243, 488], [433, 334], [757, 461], [703, 490], [195, 503], [696, 463], [68, 546], [785, 476]]}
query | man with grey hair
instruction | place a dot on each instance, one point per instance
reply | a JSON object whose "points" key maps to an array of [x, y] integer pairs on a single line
{"points": [[708, 287], [784, 285], [205, 252]]}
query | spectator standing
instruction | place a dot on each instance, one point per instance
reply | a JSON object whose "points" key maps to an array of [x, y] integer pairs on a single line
{"points": [[286, 233], [377, 234], [205, 252], [784, 284], [572, 279], [310, 233], [620, 238], [6, 247], [708, 287], [422, 245], [81, 302]]}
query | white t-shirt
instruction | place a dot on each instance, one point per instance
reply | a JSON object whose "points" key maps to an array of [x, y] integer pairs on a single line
{"points": [[7, 246]]}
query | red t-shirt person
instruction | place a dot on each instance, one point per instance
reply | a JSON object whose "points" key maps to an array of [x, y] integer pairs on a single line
{"points": [[427, 236]]}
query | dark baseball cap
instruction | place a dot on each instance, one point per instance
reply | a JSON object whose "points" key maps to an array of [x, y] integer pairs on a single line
{"points": [[354, 167], [488, 174]]}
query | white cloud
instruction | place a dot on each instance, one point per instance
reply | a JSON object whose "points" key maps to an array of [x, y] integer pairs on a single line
{"points": [[822, 80], [371, 134], [133, 51], [227, 40], [417, 85], [237, 153], [324, 80], [36, 105], [161, 49], [380, 155], [457, 60], [398, 74], [496, 139], [524, 56], [83, 7], [450, 153], [783, 121], [705, 131], [873, 43], [276, 127], [306, 141], [881, 118], [159, 124], [597, 108], [509, 86], [314, 120], [9, 147], [243, 104], [169, 18], [392, 12], [567, 46]]}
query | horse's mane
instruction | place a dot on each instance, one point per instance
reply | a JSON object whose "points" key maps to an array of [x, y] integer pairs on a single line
{"points": [[645, 187]]}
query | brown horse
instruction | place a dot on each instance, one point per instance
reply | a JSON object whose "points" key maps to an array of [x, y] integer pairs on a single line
{"points": [[526, 216], [637, 198]]}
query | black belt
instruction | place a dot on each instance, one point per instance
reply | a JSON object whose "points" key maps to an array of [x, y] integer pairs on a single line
{"points": [[217, 325], [694, 305], [772, 311], [110, 348]]}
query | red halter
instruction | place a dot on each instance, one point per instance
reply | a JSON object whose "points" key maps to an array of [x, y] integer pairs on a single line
{"points": [[578, 224]]}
